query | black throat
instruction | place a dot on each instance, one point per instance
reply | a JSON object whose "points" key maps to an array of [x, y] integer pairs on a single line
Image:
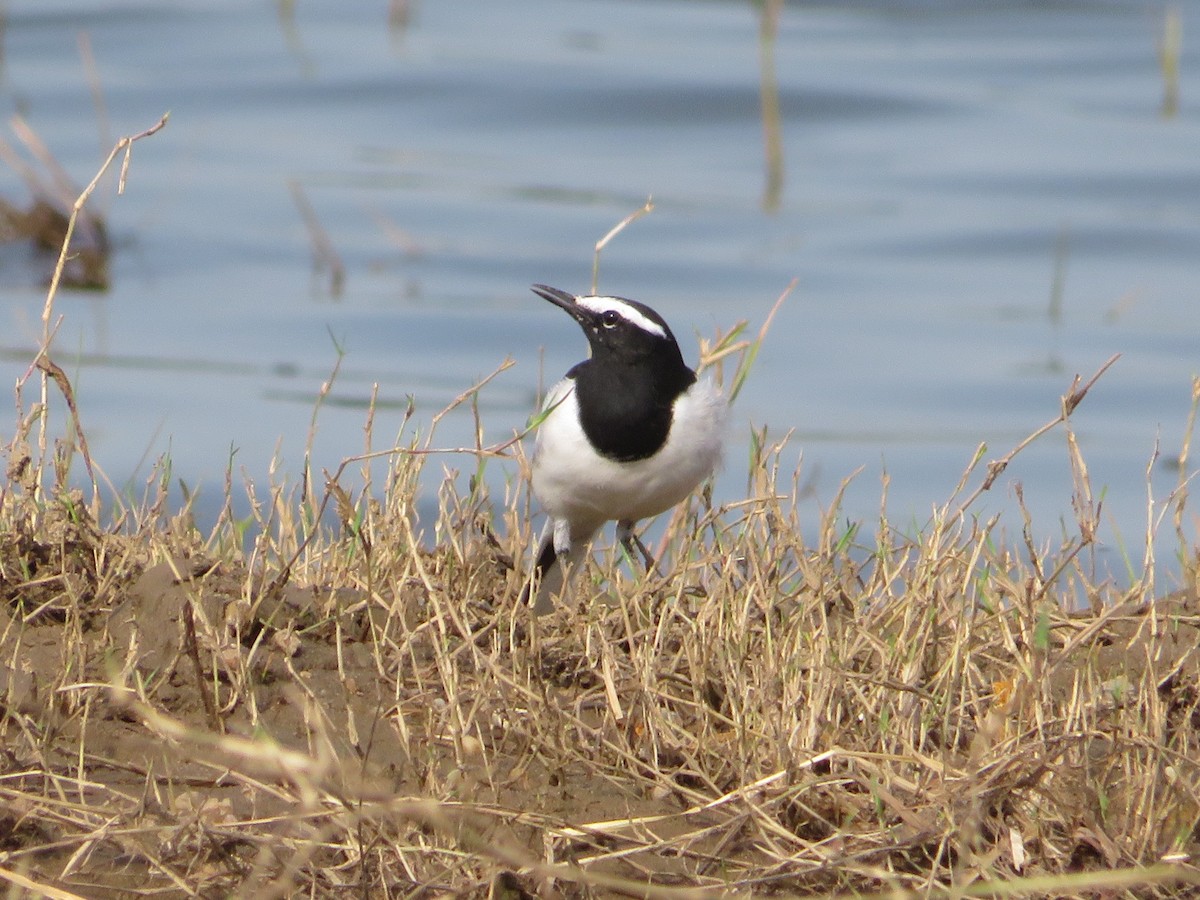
{"points": [[626, 410]]}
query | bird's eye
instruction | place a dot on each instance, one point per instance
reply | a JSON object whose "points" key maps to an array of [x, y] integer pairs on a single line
{"points": [[610, 319]]}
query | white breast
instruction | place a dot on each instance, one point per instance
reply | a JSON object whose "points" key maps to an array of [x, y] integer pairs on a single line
{"points": [[575, 483]]}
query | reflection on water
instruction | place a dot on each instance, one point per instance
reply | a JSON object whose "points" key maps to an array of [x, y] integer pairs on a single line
{"points": [[1169, 50], [978, 202], [772, 129]]}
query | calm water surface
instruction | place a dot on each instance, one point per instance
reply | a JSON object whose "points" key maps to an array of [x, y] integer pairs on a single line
{"points": [[935, 155]]}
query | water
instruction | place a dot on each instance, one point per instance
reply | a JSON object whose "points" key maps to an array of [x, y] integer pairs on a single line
{"points": [[941, 163]]}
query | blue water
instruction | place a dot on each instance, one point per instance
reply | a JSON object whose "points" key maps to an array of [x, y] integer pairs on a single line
{"points": [[935, 156]]}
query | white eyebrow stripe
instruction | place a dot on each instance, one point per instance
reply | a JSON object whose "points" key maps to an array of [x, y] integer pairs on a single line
{"points": [[604, 304]]}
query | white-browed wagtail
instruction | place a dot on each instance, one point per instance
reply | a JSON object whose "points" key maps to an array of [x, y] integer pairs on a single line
{"points": [[627, 434]]}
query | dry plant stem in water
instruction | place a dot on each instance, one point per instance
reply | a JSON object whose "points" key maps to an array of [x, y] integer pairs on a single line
{"points": [[43, 361]]}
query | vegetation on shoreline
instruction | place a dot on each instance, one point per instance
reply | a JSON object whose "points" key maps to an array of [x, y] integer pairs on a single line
{"points": [[365, 710]]}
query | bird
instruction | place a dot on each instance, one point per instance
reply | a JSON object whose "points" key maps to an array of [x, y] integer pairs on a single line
{"points": [[627, 434]]}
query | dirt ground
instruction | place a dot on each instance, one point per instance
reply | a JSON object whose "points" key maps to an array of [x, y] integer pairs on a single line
{"points": [[135, 805]]}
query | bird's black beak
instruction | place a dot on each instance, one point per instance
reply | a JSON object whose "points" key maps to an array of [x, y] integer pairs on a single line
{"points": [[562, 300]]}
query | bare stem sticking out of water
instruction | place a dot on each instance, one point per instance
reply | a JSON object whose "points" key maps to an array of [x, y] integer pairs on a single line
{"points": [[42, 362], [325, 255], [768, 29], [1170, 49]]}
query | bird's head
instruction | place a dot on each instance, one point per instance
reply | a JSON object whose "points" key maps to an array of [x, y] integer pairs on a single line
{"points": [[616, 328]]}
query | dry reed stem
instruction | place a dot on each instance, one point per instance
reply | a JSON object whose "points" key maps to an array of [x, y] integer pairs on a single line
{"points": [[325, 255], [644, 210], [43, 361]]}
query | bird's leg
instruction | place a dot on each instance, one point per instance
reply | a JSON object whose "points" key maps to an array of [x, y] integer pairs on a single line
{"points": [[550, 569], [629, 540], [562, 537], [546, 558]]}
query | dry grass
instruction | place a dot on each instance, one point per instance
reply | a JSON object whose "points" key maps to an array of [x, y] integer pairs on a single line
{"points": [[360, 708]]}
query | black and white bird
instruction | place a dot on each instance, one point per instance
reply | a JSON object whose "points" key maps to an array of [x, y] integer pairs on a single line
{"points": [[627, 434]]}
